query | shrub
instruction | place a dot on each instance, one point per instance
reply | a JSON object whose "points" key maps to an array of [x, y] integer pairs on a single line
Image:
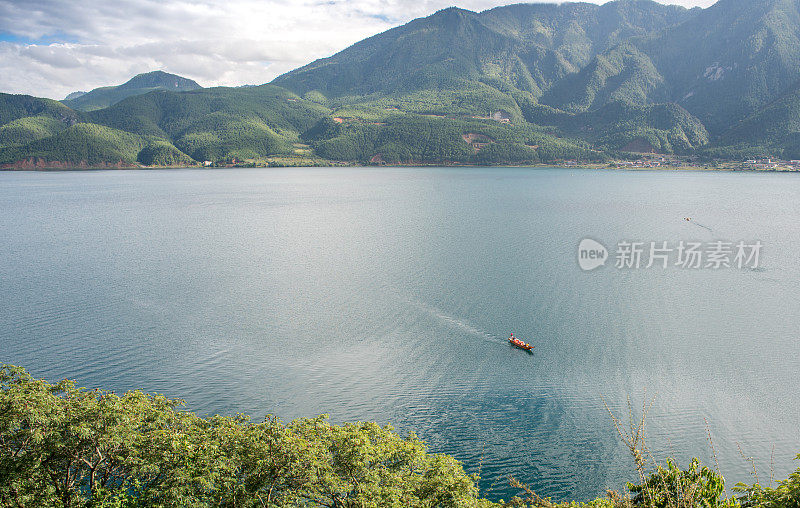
{"points": [[671, 487], [64, 446]]}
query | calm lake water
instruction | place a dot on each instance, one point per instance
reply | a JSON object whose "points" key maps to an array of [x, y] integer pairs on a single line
{"points": [[387, 294]]}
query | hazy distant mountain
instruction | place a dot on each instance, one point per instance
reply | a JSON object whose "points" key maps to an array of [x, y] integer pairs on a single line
{"points": [[106, 96], [74, 95], [517, 84]]}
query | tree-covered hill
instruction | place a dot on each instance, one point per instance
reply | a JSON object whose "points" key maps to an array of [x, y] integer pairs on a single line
{"points": [[106, 96], [24, 119], [721, 64], [218, 123], [662, 128], [774, 131], [14, 107], [518, 84], [528, 46], [82, 142], [718, 65], [482, 126], [167, 128]]}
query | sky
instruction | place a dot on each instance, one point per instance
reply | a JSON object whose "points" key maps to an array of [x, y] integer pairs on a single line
{"points": [[49, 48]]}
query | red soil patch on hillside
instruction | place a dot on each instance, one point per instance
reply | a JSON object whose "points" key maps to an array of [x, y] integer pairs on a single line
{"points": [[41, 163], [639, 145]]}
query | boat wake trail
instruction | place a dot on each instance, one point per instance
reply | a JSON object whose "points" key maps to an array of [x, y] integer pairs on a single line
{"points": [[452, 321], [701, 226]]}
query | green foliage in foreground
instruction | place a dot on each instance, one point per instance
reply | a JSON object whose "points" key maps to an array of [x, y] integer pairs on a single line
{"points": [[64, 446], [670, 486], [785, 495]]}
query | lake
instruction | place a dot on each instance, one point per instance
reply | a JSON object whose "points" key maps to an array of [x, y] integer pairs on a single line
{"points": [[388, 294]]}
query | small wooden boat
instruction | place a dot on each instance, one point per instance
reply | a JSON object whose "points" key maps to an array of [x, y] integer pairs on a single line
{"points": [[519, 343]]}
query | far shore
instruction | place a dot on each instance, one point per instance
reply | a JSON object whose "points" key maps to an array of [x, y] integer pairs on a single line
{"points": [[730, 166]]}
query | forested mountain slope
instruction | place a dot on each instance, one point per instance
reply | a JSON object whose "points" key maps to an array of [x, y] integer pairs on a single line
{"points": [[517, 84], [722, 64], [141, 84], [528, 46]]}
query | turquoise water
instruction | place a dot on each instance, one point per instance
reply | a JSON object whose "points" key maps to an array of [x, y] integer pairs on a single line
{"points": [[387, 294]]}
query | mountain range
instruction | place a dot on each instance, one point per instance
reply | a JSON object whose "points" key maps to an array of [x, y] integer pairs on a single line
{"points": [[517, 84], [100, 98]]}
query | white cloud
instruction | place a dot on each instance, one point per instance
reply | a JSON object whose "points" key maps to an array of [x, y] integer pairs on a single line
{"points": [[53, 47]]}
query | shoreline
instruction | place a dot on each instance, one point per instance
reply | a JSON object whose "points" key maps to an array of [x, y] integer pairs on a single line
{"points": [[610, 167]]}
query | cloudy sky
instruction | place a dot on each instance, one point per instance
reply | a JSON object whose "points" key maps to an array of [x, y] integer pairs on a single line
{"points": [[49, 48]]}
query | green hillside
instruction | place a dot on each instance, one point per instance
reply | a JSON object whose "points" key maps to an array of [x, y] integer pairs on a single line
{"points": [[459, 65], [721, 64], [527, 46], [624, 74], [665, 128], [517, 84], [141, 84], [13, 107], [218, 123], [82, 142], [772, 132], [423, 139], [25, 130], [171, 128]]}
